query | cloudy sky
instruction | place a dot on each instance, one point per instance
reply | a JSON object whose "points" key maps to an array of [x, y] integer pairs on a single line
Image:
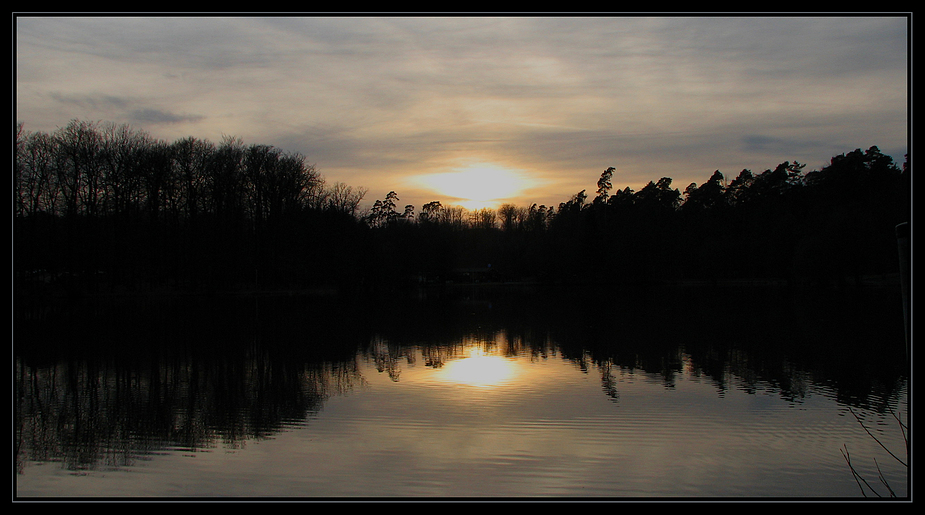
{"points": [[520, 109]]}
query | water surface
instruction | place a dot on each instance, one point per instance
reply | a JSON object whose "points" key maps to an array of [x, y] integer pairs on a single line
{"points": [[661, 393]]}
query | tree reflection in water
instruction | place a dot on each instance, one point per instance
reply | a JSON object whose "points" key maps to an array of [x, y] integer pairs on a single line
{"points": [[100, 386]]}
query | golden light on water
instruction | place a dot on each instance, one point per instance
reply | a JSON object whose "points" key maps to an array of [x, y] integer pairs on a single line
{"points": [[478, 185], [479, 369]]}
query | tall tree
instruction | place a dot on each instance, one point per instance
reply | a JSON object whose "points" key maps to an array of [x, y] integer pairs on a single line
{"points": [[604, 185]]}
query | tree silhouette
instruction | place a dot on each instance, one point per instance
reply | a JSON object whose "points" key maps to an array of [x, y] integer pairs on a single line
{"points": [[105, 206], [604, 185]]}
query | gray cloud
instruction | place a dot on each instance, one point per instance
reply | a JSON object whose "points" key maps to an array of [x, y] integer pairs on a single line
{"points": [[100, 106], [158, 116], [373, 99], [89, 102]]}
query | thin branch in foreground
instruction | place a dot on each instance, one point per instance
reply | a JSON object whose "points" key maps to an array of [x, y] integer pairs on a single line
{"points": [[857, 477], [883, 479], [878, 441]]}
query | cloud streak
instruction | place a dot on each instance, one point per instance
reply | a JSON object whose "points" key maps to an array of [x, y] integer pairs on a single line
{"points": [[374, 100]]}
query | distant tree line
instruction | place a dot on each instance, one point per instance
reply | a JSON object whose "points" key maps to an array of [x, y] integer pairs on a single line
{"points": [[104, 207], [829, 226], [101, 205]]}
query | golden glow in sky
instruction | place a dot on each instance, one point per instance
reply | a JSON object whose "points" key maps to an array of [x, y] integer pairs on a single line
{"points": [[477, 186], [479, 369], [390, 103]]}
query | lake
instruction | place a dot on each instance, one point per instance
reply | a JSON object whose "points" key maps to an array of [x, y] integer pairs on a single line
{"points": [[465, 393]]}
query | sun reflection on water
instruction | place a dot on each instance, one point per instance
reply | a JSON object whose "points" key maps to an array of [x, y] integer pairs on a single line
{"points": [[479, 369]]}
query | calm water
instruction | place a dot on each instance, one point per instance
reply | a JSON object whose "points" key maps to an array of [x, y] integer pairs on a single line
{"points": [[467, 393]]}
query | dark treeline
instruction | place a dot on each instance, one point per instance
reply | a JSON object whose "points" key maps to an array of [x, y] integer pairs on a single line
{"points": [[101, 207], [105, 206]]}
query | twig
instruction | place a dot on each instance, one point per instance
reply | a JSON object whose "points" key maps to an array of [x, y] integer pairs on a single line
{"points": [[883, 479], [857, 477], [878, 441], [902, 428]]}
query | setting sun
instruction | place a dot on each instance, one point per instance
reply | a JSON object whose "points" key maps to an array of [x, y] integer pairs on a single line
{"points": [[478, 185]]}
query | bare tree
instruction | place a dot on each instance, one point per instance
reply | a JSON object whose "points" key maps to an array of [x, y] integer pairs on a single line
{"points": [[484, 218], [36, 186], [343, 198], [511, 217]]}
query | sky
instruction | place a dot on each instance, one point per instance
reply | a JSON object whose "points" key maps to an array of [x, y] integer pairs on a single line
{"points": [[485, 109]]}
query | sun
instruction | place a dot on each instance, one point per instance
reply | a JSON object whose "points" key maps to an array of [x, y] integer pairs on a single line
{"points": [[478, 185]]}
